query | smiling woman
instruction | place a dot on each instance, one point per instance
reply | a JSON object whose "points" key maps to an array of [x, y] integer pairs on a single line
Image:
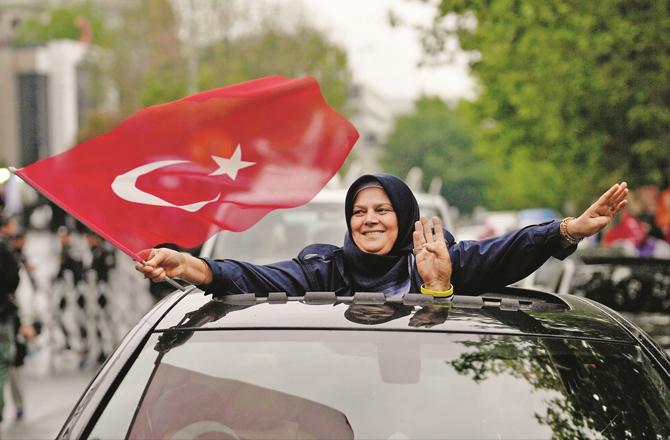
{"points": [[374, 225], [390, 248]]}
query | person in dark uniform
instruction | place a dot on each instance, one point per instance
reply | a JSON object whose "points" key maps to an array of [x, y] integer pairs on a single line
{"points": [[25, 325], [70, 302], [9, 281], [389, 248], [103, 260]]}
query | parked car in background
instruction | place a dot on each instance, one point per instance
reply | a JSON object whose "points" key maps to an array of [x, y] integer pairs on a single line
{"points": [[624, 283], [506, 364], [534, 216]]}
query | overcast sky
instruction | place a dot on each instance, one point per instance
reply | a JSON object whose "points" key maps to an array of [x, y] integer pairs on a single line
{"points": [[383, 57]]}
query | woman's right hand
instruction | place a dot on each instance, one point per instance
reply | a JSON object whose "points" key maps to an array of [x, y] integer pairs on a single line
{"points": [[432, 255], [162, 263]]}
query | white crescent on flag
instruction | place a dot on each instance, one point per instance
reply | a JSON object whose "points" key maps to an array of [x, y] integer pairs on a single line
{"points": [[125, 185]]}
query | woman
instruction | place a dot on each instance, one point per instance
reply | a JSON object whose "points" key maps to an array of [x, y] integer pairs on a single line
{"points": [[389, 248]]}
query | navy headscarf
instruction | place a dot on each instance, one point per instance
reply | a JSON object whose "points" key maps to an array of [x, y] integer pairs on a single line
{"points": [[382, 273]]}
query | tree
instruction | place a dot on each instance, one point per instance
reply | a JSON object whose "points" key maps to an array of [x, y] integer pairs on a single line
{"points": [[63, 22], [573, 94], [149, 52], [440, 141], [273, 49]]}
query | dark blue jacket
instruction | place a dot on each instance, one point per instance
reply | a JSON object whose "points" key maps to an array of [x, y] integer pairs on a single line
{"points": [[478, 266]]}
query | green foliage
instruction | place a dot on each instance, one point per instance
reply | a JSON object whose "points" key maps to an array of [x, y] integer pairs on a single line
{"points": [[574, 94], [440, 141], [97, 123], [151, 63], [299, 51], [61, 22], [147, 66]]}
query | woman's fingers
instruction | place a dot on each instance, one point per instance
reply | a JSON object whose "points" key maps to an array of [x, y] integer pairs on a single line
{"points": [[621, 194], [427, 230], [604, 199], [611, 201], [429, 237], [418, 236], [437, 228], [620, 206]]}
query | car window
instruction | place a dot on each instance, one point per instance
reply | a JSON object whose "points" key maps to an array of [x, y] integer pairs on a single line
{"points": [[261, 383], [282, 234]]}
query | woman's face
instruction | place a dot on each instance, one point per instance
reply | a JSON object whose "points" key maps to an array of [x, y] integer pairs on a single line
{"points": [[374, 225]]}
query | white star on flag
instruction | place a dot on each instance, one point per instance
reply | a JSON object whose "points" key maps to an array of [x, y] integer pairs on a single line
{"points": [[231, 165]]}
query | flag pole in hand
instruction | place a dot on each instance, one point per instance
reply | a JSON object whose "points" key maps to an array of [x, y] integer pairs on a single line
{"points": [[169, 280]]}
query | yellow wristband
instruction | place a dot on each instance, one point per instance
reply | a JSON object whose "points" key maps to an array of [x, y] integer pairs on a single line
{"points": [[441, 294]]}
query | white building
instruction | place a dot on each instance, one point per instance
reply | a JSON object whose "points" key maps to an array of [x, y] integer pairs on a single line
{"points": [[374, 119], [43, 100]]}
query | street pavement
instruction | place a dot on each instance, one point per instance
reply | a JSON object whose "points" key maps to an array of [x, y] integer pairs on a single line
{"points": [[48, 402]]}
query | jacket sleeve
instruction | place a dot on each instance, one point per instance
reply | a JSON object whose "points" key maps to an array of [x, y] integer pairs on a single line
{"points": [[478, 266], [233, 277]]}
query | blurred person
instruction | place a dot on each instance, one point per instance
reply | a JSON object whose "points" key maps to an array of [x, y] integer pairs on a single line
{"points": [[634, 235], [651, 244], [24, 321], [9, 281], [69, 302], [103, 260], [662, 216], [389, 248], [69, 260]]}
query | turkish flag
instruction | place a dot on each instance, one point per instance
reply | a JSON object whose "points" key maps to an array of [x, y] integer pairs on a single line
{"points": [[181, 403], [181, 171]]}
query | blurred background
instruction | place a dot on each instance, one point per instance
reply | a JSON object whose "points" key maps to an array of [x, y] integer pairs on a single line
{"points": [[515, 112]]}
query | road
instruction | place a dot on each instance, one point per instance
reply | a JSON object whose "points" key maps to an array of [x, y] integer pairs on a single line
{"points": [[48, 401]]}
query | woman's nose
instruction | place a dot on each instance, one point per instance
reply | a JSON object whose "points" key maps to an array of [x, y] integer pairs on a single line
{"points": [[371, 217]]}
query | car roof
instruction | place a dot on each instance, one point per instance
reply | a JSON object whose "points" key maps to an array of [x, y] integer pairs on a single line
{"points": [[508, 311]]}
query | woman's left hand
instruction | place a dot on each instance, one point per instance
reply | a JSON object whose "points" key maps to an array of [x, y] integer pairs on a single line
{"points": [[432, 255], [598, 215]]}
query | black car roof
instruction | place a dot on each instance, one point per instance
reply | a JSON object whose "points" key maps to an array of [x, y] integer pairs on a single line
{"points": [[508, 311]]}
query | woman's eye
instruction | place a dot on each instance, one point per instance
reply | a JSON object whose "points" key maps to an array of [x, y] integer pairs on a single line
{"points": [[384, 210], [358, 212]]}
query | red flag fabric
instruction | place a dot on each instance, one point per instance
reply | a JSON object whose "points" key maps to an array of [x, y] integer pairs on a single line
{"points": [[181, 403], [182, 171]]}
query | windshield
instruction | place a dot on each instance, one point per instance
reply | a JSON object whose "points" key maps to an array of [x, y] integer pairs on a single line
{"points": [[388, 385]]}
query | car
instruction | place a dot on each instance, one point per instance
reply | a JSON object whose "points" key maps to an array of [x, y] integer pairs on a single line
{"points": [[624, 283], [511, 363], [283, 233]]}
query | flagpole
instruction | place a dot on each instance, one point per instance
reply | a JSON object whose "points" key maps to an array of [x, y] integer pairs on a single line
{"points": [[169, 280]]}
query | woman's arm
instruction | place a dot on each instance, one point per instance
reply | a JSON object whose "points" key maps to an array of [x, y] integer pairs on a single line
{"points": [[221, 277], [497, 262]]}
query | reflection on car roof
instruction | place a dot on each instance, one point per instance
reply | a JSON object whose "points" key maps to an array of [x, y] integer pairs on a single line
{"points": [[509, 311]]}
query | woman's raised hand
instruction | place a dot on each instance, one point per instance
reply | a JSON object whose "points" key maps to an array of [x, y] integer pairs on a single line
{"points": [[598, 215], [161, 263], [432, 255]]}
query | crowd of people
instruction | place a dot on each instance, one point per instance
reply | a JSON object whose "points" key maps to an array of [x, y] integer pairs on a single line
{"points": [[643, 229], [58, 314]]}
